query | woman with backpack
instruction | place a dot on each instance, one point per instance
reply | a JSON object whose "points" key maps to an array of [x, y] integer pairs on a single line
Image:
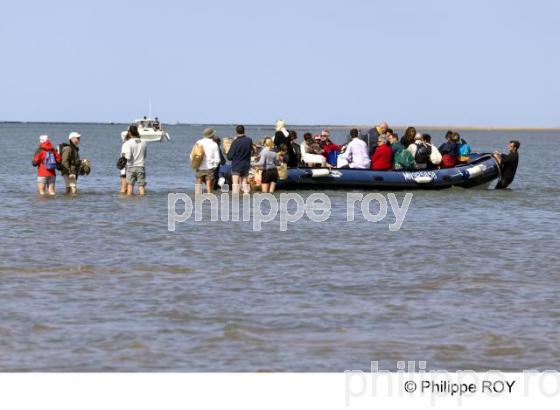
{"points": [[47, 160]]}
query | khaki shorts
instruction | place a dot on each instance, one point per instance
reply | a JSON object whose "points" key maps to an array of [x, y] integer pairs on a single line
{"points": [[136, 176], [69, 182], [205, 174]]}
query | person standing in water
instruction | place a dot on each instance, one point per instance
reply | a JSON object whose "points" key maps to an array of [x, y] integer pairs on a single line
{"points": [[71, 161], [269, 161], [240, 156], [123, 184], [508, 164], [206, 171], [134, 150], [46, 159]]}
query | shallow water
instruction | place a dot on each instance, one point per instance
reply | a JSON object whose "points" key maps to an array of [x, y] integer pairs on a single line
{"points": [[96, 282]]}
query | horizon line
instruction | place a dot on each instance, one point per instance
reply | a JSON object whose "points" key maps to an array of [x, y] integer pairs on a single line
{"points": [[336, 126]]}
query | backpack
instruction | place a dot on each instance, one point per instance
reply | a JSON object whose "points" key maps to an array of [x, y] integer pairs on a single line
{"points": [[448, 161], [197, 155], [50, 161], [423, 152], [464, 152], [404, 160], [61, 147], [332, 158], [435, 156], [121, 162]]}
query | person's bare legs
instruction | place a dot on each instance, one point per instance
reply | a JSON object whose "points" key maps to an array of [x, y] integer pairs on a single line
{"points": [[235, 184], [51, 189], [123, 185], [71, 188], [245, 185], [209, 185], [264, 187], [130, 189], [198, 186], [272, 187], [41, 188], [141, 190]]}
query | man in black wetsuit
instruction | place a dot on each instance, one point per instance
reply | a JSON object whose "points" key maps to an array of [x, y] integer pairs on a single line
{"points": [[508, 164]]}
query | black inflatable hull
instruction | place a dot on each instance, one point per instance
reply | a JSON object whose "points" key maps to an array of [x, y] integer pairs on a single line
{"points": [[480, 171]]}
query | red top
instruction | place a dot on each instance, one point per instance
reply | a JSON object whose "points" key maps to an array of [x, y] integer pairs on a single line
{"points": [[40, 159], [382, 158], [330, 146]]}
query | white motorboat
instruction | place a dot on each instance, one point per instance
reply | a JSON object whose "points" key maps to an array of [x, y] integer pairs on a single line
{"points": [[150, 130]]}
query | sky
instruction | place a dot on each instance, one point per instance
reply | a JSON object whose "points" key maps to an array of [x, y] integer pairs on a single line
{"points": [[430, 62]]}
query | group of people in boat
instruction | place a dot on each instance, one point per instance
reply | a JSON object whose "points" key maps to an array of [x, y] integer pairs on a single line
{"points": [[147, 123], [379, 149]]}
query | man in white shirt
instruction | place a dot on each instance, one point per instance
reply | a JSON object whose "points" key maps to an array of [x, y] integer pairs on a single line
{"points": [[211, 159], [134, 150], [356, 153]]}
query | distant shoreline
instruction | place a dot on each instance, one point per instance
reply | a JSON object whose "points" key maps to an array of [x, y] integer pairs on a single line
{"points": [[362, 126]]}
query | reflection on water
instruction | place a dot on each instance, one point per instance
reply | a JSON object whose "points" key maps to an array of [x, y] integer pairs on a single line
{"points": [[96, 282]]}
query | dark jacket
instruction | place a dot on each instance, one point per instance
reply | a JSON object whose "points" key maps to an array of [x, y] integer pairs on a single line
{"points": [[70, 160], [240, 154], [372, 135], [508, 166], [279, 139], [296, 160], [450, 148], [217, 169]]}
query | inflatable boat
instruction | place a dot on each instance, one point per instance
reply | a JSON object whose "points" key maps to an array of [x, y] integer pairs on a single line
{"points": [[480, 171]]}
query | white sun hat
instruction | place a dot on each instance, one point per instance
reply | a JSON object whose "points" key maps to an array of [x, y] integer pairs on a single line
{"points": [[73, 134]]}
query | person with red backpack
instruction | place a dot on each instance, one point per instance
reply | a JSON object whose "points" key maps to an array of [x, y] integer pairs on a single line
{"points": [[47, 160], [449, 150]]}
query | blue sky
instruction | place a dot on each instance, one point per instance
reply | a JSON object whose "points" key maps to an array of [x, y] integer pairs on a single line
{"points": [[333, 62]]}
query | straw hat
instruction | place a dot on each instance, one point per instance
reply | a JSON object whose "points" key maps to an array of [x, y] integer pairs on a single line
{"points": [[209, 133]]}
